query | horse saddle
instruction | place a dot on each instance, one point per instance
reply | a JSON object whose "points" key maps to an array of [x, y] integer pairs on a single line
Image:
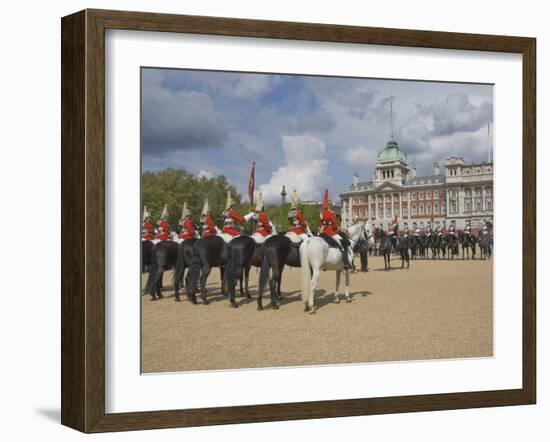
{"points": [[332, 243]]}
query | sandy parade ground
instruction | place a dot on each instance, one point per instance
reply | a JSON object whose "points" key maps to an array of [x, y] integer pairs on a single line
{"points": [[436, 309]]}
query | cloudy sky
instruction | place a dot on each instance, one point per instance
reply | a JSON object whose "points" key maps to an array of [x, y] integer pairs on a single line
{"points": [[306, 132]]}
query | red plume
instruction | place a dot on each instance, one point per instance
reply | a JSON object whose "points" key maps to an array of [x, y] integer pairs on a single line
{"points": [[325, 200]]}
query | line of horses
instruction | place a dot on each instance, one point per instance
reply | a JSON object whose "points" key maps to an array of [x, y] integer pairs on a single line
{"points": [[441, 245], [194, 259]]}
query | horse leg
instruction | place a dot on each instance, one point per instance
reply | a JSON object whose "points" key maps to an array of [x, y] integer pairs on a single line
{"points": [[160, 275], [274, 286], [246, 291], [314, 279], [204, 276], [346, 289], [336, 299], [222, 275]]}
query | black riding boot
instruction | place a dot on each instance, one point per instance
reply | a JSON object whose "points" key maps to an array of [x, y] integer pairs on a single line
{"points": [[345, 258]]}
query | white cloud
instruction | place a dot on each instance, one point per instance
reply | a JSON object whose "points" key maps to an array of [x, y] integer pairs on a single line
{"points": [[305, 169], [205, 174], [361, 157]]}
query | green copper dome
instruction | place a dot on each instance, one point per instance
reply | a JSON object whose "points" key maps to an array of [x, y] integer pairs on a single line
{"points": [[392, 153]]}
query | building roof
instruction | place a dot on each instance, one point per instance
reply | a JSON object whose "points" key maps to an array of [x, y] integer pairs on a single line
{"points": [[392, 153], [428, 179]]}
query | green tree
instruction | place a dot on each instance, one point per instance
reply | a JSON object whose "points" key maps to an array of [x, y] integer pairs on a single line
{"points": [[173, 187]]}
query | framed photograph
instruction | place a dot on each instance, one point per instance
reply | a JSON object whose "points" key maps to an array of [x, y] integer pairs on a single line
{"points": [[267, 220]]}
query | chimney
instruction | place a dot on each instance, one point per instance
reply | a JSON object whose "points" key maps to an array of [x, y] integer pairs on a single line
{"points": [[413, 172], [436, 168], [355, 179]]}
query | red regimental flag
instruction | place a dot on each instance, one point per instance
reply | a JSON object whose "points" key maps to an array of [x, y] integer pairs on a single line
{"points": [[251, 184]]}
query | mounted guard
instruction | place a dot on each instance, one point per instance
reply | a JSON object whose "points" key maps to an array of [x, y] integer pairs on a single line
{"points": [[264, 227], [468, 229], [208, 226], [163, 228], [452, 228], [394, 230], [187, 229], [300, 229], [329, 226], [147, 227], [230, 218]]}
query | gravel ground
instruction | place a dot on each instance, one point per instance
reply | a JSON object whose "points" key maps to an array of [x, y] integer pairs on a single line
{"points": [[436, 309]]}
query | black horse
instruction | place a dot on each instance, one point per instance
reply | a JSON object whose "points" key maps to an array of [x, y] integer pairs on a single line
{"points": [[242, 254], [401, 246], [184, 261], [164, 256], [435, 244], [279, 251], [452, 246], [485, 248], [468, 241], [385, 246], [146, 248], [208, 253]]}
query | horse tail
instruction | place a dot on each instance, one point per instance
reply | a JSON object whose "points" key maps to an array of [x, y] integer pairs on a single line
{"points": [[180, 266], [229, 274], [264, 275], [194, 272], [153, 269], [306, 271]]}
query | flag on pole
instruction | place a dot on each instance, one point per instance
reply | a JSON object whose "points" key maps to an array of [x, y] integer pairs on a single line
{"points": [[251, 185]]}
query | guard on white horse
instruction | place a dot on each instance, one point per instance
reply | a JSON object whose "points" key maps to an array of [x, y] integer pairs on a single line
{"points": [[147, 227], [230, 218], [329, 226], [317, 255], [264, 227]]}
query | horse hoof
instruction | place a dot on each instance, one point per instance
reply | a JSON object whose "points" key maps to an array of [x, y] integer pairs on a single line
{"points": [[234, 305], [348, 300], [337, 301], [177, 299], [275, 306], [306, 308], [248, 295], [260, 307], [312, 311], [205, 302], [153, 298], [160, 296]]}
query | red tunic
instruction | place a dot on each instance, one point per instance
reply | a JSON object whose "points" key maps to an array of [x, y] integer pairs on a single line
{"points": [[188, 230], [164, 230], [329, 223], [230, 219], [264, 226], [301, 228], [149, 231], [211, 227]]}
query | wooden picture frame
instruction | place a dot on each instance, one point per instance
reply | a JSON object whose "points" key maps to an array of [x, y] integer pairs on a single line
{"points": [[83, 210]]}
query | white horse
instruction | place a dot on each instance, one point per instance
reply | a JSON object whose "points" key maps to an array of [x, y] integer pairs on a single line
{"points": [[316, 255]]}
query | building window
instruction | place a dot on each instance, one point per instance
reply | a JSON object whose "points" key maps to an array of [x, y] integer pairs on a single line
{"points": [[453, 206], [469, 192], [489, 205], [421, 224], [428, 208], [380, 212], [468, 205], [428, 195], [388, 212], [413, 196], [405, 211], [436, 195], [488, 191], [436, 208], [421, 209], [421, 196], [396, 210], [478, 206]]}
